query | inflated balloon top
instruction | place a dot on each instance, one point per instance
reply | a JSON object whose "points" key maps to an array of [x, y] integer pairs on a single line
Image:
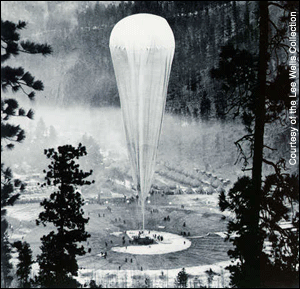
{"points": [[142, 48], [142, 31]]}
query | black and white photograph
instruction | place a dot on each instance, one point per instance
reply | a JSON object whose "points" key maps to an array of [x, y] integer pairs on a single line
{"points": [[149, 144]]}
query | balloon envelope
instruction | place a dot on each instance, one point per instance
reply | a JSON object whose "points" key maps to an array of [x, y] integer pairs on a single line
{"points": [[142, 49]]}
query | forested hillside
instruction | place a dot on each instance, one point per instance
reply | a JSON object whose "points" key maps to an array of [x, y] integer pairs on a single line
{"points": [[200, 30]]}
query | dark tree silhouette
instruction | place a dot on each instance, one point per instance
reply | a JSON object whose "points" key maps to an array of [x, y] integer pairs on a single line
{"points": [[16, 79], [279, 265], [241, 200], [6, 266], [25, 262], [205, 106], [280, 200], [181, 279], [13, 80], [64, 209], [267, 100], [253, 265], [93, 284], [210, 276], [238, 71]]}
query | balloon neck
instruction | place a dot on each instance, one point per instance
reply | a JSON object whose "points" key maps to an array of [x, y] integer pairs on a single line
{"points": [[142, 202], [143, 212]]}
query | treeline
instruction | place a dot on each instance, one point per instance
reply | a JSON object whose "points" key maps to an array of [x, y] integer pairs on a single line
{"points": [[200, 30], [30, 158]]}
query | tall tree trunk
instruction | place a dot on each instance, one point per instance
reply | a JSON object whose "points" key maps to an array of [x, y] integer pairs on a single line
{"points": [[259, 133]]}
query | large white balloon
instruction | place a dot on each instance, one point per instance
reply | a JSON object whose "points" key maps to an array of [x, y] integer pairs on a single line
{"points": [[142, 49]]}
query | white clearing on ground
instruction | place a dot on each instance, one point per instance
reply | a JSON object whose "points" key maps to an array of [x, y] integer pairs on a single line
{"points": [[24, 212], [116, 234], [170, 243]]}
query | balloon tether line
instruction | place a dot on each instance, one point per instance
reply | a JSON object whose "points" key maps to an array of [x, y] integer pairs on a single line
{"points": [[143, 212]]}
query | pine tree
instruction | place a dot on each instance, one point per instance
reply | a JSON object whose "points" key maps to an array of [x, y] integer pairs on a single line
{"points": [[6, 265], [52, 139], [64, 209], [10, 192], [181, 279], [278, 267], [246, 22], [235, 17], [205, 106], [210, 276], [264, 105], [94, 159], [228, 28], [25, 262], [14, 80], [41, 130]]}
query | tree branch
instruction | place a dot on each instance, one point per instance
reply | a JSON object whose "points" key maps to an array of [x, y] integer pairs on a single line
{"points": [[276, 4], [272, 149], [275, 166]]}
